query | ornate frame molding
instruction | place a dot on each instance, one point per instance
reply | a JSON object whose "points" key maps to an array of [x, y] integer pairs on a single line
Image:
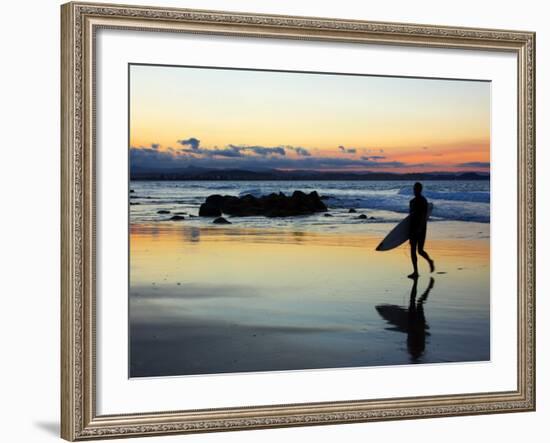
{"points": [[80, 21]]}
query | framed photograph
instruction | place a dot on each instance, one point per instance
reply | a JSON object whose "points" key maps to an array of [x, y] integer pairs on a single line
{"points": [[283, 221]]}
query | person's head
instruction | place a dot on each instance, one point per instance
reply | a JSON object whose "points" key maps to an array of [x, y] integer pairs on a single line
{"points": [[417, 188]]}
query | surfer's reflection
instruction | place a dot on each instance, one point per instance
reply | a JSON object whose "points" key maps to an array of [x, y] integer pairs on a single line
{"points": [[410, 320]]}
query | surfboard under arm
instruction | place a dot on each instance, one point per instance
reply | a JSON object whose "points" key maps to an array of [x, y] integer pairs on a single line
{"points": [[399, 234]]}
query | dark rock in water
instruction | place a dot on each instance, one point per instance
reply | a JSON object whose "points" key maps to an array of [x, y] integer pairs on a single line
{"points": [[215, 200], [272, 205], [163, 211], [352, 211], [132, 191], [209, 211], [362, 217], [212, 206], [134, 203], [221, 221], [177, 218], [328, 215], [372, 218], [180, 213]]}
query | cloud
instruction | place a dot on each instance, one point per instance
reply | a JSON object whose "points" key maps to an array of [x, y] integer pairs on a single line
{"points": [[373, 157], [192, 141], [259, 150], [422, 165], [347, 150], [150, 157], [474, 165], [338, 162], [234, 156], [258, 157], [303, 152], [231, 152]]}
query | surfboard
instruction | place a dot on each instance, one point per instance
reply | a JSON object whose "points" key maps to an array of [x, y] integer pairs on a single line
{"points": [[399, 234]]}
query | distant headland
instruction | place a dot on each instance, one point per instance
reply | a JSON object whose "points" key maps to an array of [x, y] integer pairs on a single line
{"points": [[275, 174]]}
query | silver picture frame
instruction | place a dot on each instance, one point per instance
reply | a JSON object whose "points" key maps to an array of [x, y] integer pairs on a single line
{"points": [[80, 22]]}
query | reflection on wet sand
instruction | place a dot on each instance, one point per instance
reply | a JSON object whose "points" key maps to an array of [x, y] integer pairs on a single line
{"points": [[411, 320], [211, 300]]}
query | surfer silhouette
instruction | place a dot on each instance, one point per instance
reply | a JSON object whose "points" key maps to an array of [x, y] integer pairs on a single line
{"points": [[418, 211]]}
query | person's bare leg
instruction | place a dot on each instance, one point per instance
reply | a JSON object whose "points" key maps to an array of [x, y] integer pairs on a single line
{"points": [[414, 259], [425, 255]]}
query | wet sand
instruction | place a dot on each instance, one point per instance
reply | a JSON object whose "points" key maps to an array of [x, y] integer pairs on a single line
{"points": [[223, 299]]}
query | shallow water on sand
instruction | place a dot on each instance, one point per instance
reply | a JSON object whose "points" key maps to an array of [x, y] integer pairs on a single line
{"points": [[226, 299]]}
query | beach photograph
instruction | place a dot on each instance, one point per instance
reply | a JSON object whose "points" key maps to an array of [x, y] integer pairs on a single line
{"points": [[284, 220]]}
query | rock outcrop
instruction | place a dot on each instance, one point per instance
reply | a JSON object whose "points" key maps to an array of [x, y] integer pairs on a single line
{"points": [[272, 205]]}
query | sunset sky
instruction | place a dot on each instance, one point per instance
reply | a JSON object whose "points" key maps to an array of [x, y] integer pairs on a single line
{"points": [[222, 118]]}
